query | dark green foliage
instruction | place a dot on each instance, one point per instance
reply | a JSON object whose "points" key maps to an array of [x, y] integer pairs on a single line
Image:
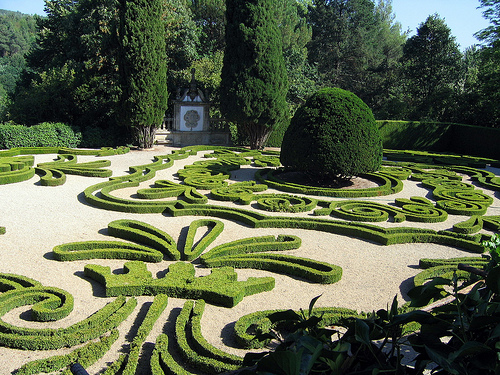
{"points": [[143, 69], [458, 336], [333, 136], [356, 45], [42, 135], [491, 12], [250, 329], [370, 344], [254, 82], [432, 67], [440, 136], [276, 137], [17, 36]]}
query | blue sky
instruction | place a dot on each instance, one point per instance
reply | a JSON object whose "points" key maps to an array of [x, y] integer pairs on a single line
{"points": [[462, 16]]}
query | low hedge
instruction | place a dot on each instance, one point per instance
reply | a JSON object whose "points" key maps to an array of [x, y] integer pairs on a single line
{"points": [[201, 345], [479, 262], [105, 250], [387, 185], [285, 203], [469, 226], [138, 231], [168, 189], [106, 319], [220, 287], [18, 175], [16, 169], [50, 177], [137, 174], [214, 228], [184, 337], [383, 236], [310, 270], [85, 356], [253, 245], [155, 310], [162, 361], [242, 192], [49, 303], [68, 164], [414, 209], [447, 271]]}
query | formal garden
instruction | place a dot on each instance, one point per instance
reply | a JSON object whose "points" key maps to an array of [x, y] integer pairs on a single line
{"points": [[182, 260], [338, 212]]}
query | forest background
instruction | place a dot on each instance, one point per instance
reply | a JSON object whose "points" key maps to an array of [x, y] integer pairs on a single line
{"points": [[63, 67]]}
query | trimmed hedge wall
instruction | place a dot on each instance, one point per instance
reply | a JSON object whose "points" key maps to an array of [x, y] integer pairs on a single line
{"points": [[443, 137]]}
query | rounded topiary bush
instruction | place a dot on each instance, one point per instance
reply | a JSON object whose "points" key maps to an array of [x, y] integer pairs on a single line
{"points": [[332, 136]]}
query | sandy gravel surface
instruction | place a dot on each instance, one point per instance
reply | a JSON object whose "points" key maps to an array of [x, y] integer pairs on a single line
{"points": [[37, 218]]}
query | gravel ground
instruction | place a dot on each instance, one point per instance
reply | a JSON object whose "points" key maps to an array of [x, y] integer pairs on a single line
{"points": [[37, 218]]}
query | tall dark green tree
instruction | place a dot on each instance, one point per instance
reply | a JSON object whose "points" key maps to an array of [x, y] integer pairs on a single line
{"points": [[341, 31], [143, 69], [254, 82], [432, 64], [356, 45]]}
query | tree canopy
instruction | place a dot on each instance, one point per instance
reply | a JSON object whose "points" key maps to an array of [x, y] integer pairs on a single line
{"points": [[254, 83], [432, 64], [65, 66]]}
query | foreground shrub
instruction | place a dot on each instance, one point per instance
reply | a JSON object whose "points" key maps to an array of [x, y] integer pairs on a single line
{"points": [[333, 135]]}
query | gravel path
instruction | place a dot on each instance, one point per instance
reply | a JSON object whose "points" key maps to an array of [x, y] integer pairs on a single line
{"points": [[38, 218]]}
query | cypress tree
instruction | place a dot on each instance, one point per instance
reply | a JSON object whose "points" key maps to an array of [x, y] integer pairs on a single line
{"points": [[143, 69], [254, 81]]}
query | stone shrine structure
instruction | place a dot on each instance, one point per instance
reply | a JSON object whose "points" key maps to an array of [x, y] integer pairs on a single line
{"points": [[191, 124]]}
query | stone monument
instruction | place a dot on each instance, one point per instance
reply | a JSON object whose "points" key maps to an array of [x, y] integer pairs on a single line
{"points": [[191, 123]]}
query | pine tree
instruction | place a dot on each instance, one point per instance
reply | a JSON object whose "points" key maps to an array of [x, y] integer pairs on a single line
{"points": [[142, 68], [432, 67], [254, 82]]}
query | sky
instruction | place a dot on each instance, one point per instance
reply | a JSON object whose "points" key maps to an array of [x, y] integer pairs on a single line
{"points": [[461, 16]]}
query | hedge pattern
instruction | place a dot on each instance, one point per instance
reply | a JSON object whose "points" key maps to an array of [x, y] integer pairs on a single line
{"points": [[14, 168], [220, 287], [200, 191]]}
